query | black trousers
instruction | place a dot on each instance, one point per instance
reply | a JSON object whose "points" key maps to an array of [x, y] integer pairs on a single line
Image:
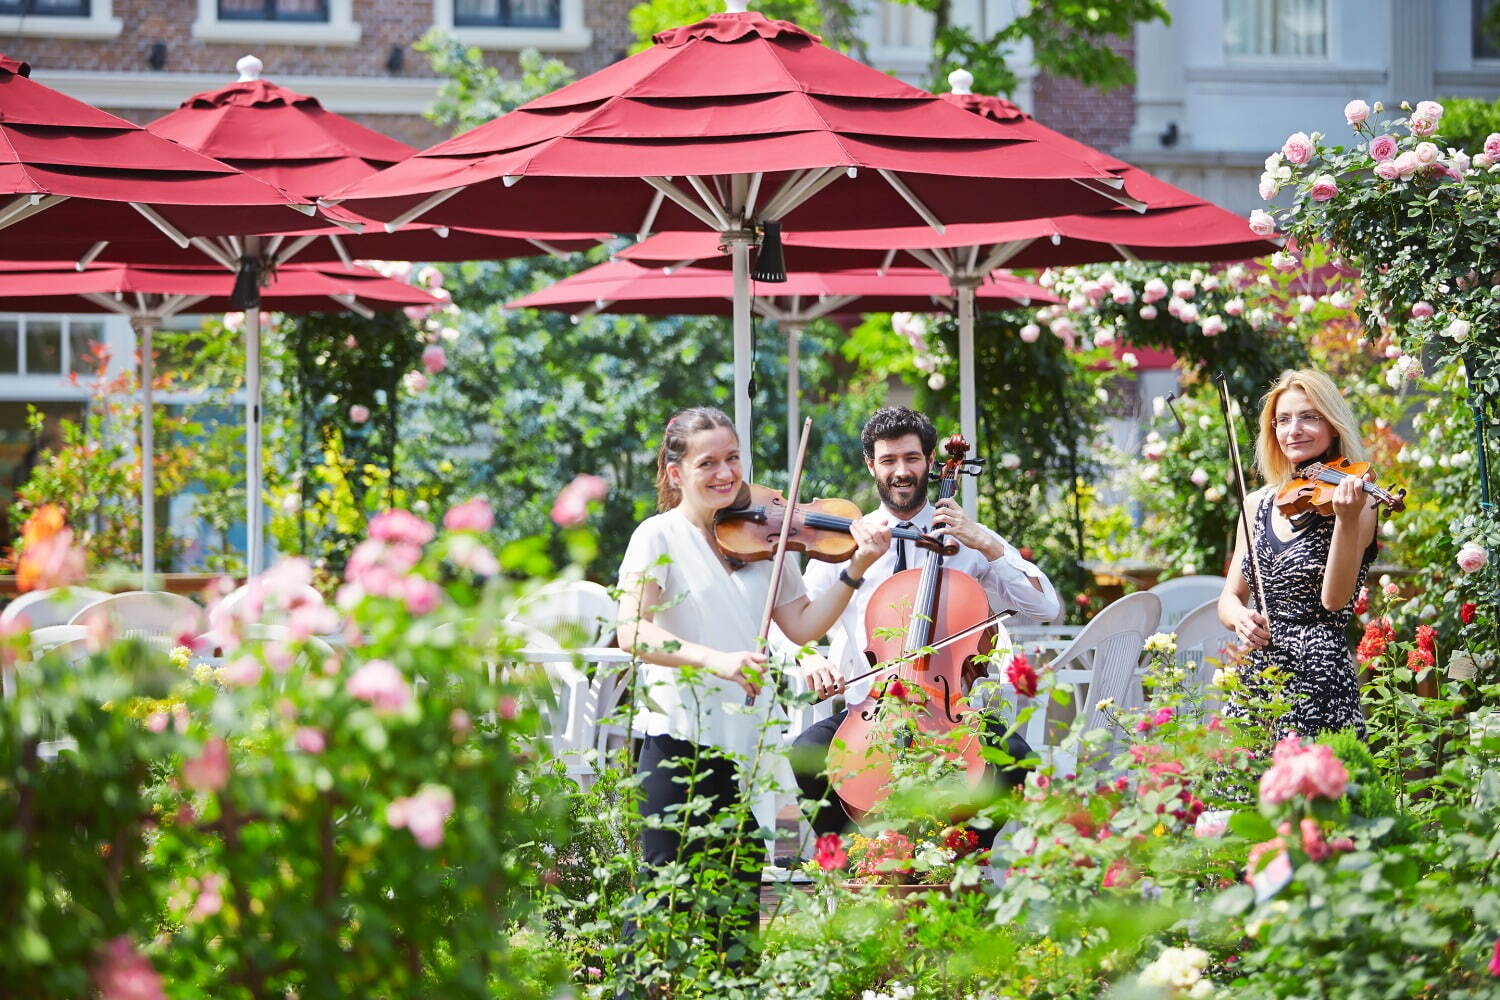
{"points": [[809, 759], [674, 771]]}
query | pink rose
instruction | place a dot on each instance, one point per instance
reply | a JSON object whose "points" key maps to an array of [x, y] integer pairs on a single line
{"points": [[420, 595], [1407, 163], [472, 515], [380, 684], [1212, 326], [417, 313], [122, 973], [1382, 148], [1313, 844], [1308, 771], [209, 771], [401, 526], [1268, 187], [1387, 170], [1235, 306], [1421, 126], [358, 414], [423, 814], [509, 707], [1155, 290], [1356, 112], [1471, 557], [1297, 149], [1030, 332], [1422, 310], [243, 671], [430, 278], [1324, 188], [433, 359], [1284, 262], [1262, 223], [310, 740], [1492, 145], [1212, 824], [1430, 111], [1149, 312], [1426, 153], [1495, 959], [1122, 295], [156, 722], [571, 508], [415, 382]]}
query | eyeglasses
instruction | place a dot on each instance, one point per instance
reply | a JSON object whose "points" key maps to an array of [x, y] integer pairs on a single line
{"points": [[1286, 420]]}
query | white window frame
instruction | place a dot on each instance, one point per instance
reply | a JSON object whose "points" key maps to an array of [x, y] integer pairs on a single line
{"points": [[572, 35], [50, 387], [339, 29], [100, 23], [1270, 60]]}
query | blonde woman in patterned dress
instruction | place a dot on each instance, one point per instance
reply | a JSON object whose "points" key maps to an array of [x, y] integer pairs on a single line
{"points": [[1311, 574]]}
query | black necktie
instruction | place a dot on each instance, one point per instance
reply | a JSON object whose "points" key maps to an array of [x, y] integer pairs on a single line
{"points": [[901, 547]]}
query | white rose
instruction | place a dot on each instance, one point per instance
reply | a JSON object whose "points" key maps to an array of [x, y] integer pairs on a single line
{"points": [[1010, 460]]}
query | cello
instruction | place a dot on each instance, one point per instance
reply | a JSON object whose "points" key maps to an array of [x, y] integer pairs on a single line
{"points": [[909, 614]]}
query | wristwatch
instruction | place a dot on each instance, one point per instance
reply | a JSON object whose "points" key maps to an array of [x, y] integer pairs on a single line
{"points": [[849, 581]]}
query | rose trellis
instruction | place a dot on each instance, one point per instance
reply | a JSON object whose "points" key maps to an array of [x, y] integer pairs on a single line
{"points": [[1419, 221]]}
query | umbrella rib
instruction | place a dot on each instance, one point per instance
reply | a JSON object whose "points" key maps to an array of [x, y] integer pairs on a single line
{"points": [[294, 249], [546, 247], [671, 190], [1125, 252], [26, 206], [340, 249], [795, 193], [644, 229], [711, 202], [747, 211], [796, 177], [90, 255], [885, 265], [769, 309], [927, 258], [213, 252], [154, 217], [422, 207], [349, 302], [911, 199], [1108, 190], [179, 303], [1004, 252], [829, 176], [106, 302], [829, 306]]}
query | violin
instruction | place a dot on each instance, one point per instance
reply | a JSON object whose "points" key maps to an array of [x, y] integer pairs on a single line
{"points": [[910, 612], [1310, 492], [748, 529]]}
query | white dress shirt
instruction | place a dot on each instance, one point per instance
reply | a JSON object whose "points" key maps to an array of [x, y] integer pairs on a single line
{"points": [[1007, 581]]}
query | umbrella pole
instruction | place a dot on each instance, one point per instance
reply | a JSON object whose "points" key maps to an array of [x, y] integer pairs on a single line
{"points": [[793, 394], [253, 530], [739, 245], [967, 420], [144, 327]]}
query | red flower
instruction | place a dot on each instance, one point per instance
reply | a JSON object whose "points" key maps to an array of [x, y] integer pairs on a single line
{"points": [[1427, 639], [1021, 675], [1378, 635], [1495, 959], [1466, 612], [830, 852], [895, 689], [1419, 659], [1362, 602], [960, 840], [1082, 600]]}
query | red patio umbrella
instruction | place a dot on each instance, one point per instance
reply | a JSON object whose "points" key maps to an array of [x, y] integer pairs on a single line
{"points": [[72, 175], [1175, 226], [622, 287], [151, 295], [733, 123]]}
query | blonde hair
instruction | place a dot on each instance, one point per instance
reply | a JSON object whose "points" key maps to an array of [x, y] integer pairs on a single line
{"points": [[1326, 398], [674, 443]]}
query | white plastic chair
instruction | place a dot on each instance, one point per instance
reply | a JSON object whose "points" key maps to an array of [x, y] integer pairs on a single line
{"points": [[54, 606], [1201, 645], [1182, 594], [1106, 656], [154, 616], [572, 612]]}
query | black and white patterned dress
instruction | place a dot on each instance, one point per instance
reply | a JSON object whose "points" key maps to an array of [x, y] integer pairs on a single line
{"points": [[1309, 643]]}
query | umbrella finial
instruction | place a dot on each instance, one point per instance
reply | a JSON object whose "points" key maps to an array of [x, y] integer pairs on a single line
{"points": [[249, 68], [961, 81], [736, 6]]}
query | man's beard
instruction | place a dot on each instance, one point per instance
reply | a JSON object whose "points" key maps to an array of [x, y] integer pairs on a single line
{"points": [[892, 504]]}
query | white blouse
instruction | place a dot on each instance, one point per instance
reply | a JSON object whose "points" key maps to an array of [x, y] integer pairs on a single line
{"points": [[702, 602]]}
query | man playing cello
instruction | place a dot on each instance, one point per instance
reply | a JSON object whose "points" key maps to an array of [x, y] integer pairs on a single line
{"points": [[899, 448]]}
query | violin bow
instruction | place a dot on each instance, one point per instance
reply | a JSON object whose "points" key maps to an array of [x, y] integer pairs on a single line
{"points": [[778, 557], [1222, 381], [931, 648]]}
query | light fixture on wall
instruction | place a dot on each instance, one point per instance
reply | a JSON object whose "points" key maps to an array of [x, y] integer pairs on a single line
{"points": [[156, 58], [395, 60], [1169, 137]]}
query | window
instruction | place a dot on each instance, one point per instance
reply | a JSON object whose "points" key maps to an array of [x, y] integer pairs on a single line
{"points": [[1486, 29], [273, 10], [1285, 28], [46, 8], [52, 346], [507, 13]]}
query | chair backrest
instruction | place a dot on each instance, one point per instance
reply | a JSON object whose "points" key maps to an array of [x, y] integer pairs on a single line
{"points": [[155, 616], [572, 612], [54, 606], [1110, 647], [235, 597], [1201, 644], [1182, 594]]}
